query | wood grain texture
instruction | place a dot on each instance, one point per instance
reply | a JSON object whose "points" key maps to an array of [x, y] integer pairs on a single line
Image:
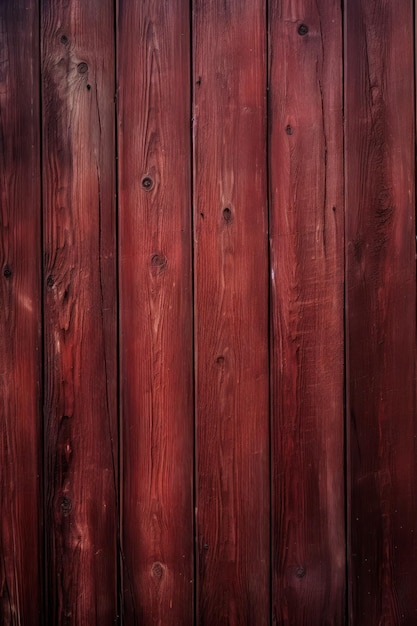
{"points": [[79, 305], [20, 291], [156, 311], [231, 312], [381, 311], [306, 235]]}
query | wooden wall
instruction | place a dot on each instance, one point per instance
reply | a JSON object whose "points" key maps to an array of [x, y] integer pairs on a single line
{"points": [[207, 313]]}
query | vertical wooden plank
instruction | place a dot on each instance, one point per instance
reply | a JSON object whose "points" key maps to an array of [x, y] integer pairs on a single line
{"points": [[20, 359], [381, 314], [231, 309], [306, 232], [80, 317], [156, 311]]}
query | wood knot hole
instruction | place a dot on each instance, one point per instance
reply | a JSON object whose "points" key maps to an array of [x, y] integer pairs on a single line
{"points": [[66, 506], [157, 570], [7, 272], [289, 130], [220, 360], [147, 183], [64, 40], [302, 30], [50, 281], [82, 68], [158, 263], [227, 215], [300, 572], [88, 87]]}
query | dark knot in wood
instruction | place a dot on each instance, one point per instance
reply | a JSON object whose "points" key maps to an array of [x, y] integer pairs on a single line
{"points": [[158, 263], [157, 570], [147, 183], [227, 215], [82, 68], [66, 506]]}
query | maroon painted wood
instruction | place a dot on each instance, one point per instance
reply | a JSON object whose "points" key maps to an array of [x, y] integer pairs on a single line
{"points": [[21, 545], [215, 467], [155, 225], [231, 312], [381, 311], [306, 234], [80, 311]]}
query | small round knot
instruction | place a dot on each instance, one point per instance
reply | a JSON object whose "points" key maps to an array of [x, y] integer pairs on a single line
{"points": [[158, 263], [227, 215], [147, 183], [302, 29], [7, 272], [66, 506], [50, 281], [157, 570], [289, 130], [206, 547], [64, 40], [300, 572], [82, 68]]}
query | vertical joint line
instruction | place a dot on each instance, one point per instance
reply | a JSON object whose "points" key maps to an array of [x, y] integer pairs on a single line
{"points": [[346, 411], [43, 531], [193, 329], [119, 492], [270, 321]]}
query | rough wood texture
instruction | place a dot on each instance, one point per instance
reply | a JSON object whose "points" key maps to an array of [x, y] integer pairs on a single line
{"points": [[80, 296], [20, 355], [306, 233], [381, 313], [156, 311], [231, 312]]}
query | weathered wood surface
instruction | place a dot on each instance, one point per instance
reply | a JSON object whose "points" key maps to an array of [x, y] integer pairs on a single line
{"points": [[21, 547], [192, 379], [79, 305], [156, 339], [231, 312], [306, 234], [381, 312]]}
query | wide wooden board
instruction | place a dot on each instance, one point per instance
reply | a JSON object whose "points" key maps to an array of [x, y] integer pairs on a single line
{"points": [[81, 465], [231, 312], [156, 342], [381, 311], [306, 234], [21, 541]]}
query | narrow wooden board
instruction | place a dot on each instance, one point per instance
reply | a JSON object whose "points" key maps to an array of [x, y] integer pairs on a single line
{"points": [[80, 316], [381, 311], [156, 311], [20, 305], [307, 257], [231, 312]]}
